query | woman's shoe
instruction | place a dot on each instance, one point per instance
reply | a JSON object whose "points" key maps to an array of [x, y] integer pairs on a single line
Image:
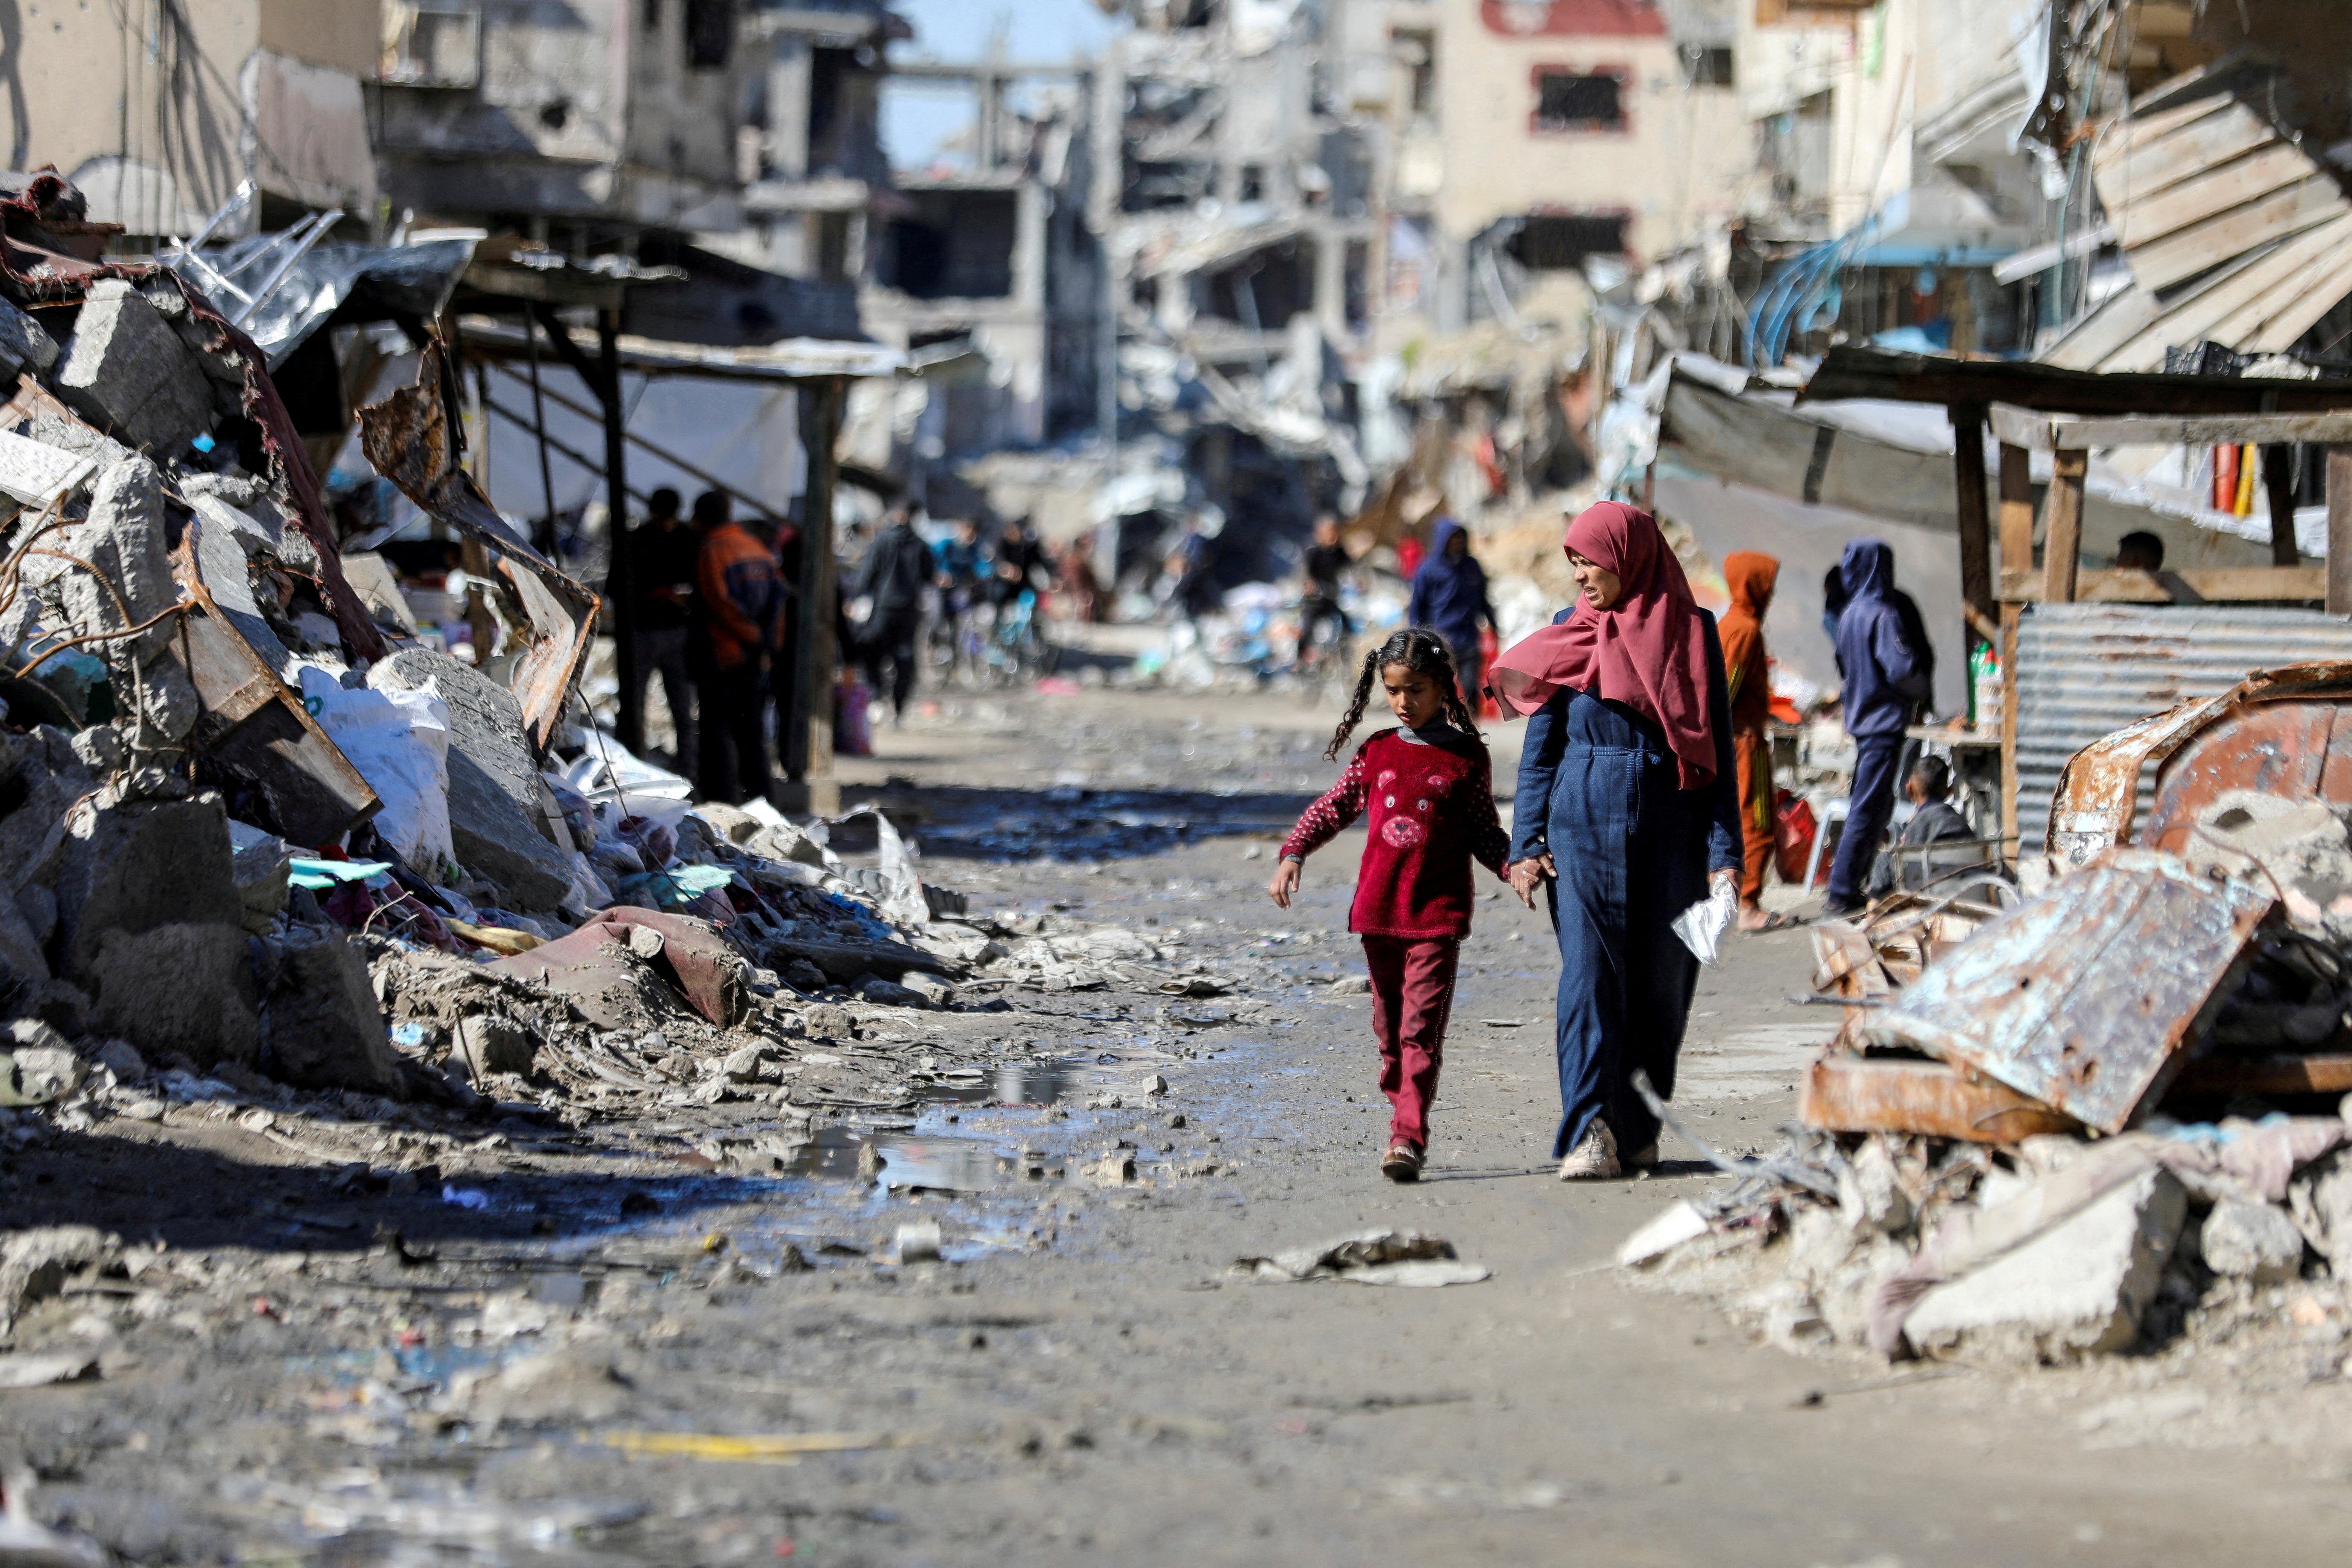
{"points": [[1594, 1158], [1402, 1163]]}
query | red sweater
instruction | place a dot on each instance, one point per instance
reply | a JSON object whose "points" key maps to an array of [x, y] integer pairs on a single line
{"points": [[1433, 812]]}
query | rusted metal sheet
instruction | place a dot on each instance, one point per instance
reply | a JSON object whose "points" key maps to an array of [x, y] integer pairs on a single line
{"points": [[1847, 1093], [2085, 998], [2276, 730], [254, 732], [408, 438], [2086, 671]]}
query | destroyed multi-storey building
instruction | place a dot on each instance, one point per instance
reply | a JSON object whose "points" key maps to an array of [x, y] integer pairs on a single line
{"points": [[218, 95]]}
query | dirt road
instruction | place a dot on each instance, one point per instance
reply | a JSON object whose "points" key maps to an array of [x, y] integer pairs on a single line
{"points": [[543, 1373]]}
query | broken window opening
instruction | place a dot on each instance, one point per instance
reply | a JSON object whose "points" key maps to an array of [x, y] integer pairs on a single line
{"points": [[709, 34], [1251, 187], [956, 244], [1566, 101], [431, 45], [1707, 65], [1263, 290], [1559, 242], [1417, 53]]}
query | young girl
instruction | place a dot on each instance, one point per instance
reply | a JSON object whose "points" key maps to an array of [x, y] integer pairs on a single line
{"points": [[1429, 790]]}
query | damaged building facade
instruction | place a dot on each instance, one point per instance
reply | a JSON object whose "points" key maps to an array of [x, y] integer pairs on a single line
{"points": [[253, 110]]}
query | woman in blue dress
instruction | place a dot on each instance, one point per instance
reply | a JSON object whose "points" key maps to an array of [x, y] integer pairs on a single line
{"points": [[1627, 807]]}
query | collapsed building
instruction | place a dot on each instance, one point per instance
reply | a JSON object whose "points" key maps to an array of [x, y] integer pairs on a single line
{"points": [[240, 786]]}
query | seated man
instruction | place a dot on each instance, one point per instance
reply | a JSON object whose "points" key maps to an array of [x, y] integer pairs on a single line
{"points": [[2139, 552], [1912, 861]]}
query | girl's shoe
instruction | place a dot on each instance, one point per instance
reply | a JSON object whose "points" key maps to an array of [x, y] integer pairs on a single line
{"points": [[1594, 1158], [1402, 1163]]}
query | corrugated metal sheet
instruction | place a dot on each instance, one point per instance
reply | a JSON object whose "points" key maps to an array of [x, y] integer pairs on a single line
{"points": [[2085, 671]]}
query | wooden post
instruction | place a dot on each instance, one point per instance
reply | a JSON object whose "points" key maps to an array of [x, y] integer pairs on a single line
{"points": [[2339, 531], [813, 786], [619, 585], [2016, 555], [1979, 604], [2062, 527], [2278, 480]]}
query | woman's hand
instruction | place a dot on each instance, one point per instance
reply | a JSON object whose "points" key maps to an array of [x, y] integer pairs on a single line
{"points": [[1285, 883], [1717, 882], [1528, 875]]}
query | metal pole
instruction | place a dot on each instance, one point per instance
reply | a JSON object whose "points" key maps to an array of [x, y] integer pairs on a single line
{"points": [[619, 584], [546, 540], [809, 747]]}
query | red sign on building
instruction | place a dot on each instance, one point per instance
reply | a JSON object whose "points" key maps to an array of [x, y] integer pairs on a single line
{"points": [[1574, 18]]}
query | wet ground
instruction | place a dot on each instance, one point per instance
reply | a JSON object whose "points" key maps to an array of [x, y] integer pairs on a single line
{"points": [[1005, 1328]]}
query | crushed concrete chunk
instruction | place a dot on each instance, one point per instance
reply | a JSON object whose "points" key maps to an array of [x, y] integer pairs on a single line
{"points": [[321, 1027], [24, 343], [176, 988], [2252, 1241], [497, 827], [2077, 1289], [125, 368], [133, 867]]}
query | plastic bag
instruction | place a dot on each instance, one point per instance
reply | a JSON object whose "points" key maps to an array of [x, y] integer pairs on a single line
{"points": [[399, 741], [1702, 925]]}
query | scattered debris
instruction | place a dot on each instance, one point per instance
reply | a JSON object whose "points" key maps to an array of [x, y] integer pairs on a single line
{"points": [[1375, 1257]]}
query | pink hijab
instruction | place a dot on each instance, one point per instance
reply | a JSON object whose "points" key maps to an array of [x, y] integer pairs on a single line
{"points": [[1648, 651]]}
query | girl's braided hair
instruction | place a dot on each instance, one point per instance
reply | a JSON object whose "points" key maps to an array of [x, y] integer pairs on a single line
{"points": [[1425, 652]]}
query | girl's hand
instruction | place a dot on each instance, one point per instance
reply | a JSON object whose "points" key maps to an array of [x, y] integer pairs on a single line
{"points": [[1285, 883], [1528, 875]]}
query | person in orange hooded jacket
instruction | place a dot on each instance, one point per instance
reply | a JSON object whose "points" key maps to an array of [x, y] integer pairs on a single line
{"points": [[741, 598]]}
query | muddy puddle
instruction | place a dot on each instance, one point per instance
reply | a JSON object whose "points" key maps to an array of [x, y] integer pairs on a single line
{"points": [[925, 1152]]}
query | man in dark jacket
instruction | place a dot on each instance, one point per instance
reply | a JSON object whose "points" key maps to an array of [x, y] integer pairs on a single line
{"points": [[896, 570], [1449, 597], [664, 553], [1887, 682]]}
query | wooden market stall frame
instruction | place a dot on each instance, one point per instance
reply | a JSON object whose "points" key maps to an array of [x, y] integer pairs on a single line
{"points": [[2069, 414], [821, 369]]}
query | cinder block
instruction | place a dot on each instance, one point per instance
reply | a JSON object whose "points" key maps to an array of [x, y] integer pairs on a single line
{"points": [[127, 370]]}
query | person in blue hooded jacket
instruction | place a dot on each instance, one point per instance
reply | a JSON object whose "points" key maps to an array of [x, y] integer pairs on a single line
{"points": [[1449, 597], [1886, 672]]}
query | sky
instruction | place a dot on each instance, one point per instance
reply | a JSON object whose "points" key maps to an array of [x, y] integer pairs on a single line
{"points": [[915, 119]]}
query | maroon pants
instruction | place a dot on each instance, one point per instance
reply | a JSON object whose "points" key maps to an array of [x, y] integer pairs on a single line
{"points": [[1413, 990]]}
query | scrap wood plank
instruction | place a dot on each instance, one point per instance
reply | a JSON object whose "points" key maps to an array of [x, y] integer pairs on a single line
{"points": [[2231, 132], [2210, 192], [2198, 311], [2116, 321], [1848, 1093], [2303, 312], [2198, 585], [2144, 130], [2184, 253], [2086, 998], [2038, 432]]}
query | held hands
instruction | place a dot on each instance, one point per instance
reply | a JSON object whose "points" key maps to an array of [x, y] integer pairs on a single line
{"points": [[1285, 883], [1529, 874]]}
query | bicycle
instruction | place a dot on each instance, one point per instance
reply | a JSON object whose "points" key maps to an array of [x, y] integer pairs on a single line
{"points": [[1321, 662]]}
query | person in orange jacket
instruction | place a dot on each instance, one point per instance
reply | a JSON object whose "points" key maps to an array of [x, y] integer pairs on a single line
{"points": [[740, 598]]}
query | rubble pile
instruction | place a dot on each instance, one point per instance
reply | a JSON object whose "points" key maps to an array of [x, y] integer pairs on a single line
{"points": [[2108, 1115], [268, 854]]}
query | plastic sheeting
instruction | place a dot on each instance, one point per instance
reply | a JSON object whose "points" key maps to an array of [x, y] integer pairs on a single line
{"points": [[331, 283]]}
